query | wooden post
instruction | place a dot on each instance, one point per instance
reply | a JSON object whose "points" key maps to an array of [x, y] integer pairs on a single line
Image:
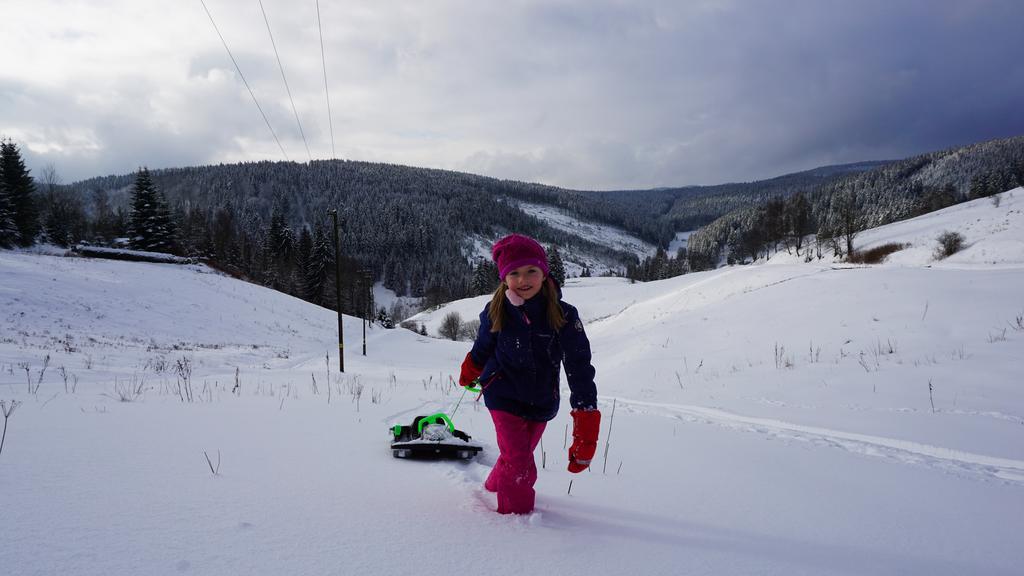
{"points": [[337, 291]]}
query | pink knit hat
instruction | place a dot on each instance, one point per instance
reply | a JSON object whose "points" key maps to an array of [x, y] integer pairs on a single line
{"points": [[517, 250]]}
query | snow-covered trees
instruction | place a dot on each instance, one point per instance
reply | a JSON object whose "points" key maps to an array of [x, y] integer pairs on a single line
{"points": [[8, 231], [19, 219], [61, 212], [485, 277], [556, 265], [841, 207], [151, 227], [411, 227]]}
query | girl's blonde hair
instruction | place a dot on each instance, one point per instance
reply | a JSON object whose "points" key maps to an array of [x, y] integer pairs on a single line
{"points": [[496, 310]]}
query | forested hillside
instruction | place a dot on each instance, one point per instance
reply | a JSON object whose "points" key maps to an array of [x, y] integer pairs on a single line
{"points": [[418, 230], [836, 211], [409, 227]]}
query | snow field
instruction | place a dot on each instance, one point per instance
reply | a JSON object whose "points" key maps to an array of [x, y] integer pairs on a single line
{"points": [[768, 419]]}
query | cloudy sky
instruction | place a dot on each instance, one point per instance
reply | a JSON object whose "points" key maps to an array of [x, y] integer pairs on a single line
{"points": [[591, 94]]}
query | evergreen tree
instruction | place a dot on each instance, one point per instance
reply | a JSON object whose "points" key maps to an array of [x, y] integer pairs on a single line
{"points": [[556, 265], [303, 255], [277, 248], [385, 319], [151, 227], [318, 268], [8, 231], [64, 221], [485, 278], [19, 189]]}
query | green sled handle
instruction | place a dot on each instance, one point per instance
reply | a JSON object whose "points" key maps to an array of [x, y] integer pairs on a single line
{"points": [[439, 418], [475, 386]]}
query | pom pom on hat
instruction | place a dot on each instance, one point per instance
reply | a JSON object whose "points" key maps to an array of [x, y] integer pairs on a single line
{"points": [[516, 250]]}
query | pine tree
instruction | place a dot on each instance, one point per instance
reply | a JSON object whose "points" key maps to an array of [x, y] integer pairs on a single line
{"points": [[317, 268], [485, 278], [151, 227], [384, 319], [19, 191], [8, 231], [303, 255], [556, 265], [277, 248]]}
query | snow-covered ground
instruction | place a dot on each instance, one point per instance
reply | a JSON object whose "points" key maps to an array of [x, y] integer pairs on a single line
{"points": [[780, 418]]}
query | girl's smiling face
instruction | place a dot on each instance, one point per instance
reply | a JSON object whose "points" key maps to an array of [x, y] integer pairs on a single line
{"points": [[525, 281]]}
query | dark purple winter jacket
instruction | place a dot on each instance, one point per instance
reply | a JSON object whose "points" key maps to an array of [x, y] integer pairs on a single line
{"points": [[521, 363]]}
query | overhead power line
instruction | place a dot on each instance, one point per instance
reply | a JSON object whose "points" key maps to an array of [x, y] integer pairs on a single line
{"points": [[323, 59], [244, 81], [283, 77]]}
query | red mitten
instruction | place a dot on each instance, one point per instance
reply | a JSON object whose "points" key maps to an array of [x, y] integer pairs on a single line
{"points": [[470, 371], [585, 426]]}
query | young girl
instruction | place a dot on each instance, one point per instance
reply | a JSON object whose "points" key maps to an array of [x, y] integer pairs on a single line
{"points": [[526, 333]]}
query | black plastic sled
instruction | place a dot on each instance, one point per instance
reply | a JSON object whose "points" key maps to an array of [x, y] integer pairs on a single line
{"points": [[432, 437]]}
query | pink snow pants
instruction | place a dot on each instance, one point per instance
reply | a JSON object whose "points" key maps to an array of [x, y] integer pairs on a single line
{"points": [[515, 472]]}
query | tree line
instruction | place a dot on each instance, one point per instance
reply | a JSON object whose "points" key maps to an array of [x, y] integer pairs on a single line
{"points": [[418, 231]]}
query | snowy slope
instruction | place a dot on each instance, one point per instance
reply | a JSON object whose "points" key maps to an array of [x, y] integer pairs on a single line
{"points": [[602, 234], [769, 419], [575, 260]]}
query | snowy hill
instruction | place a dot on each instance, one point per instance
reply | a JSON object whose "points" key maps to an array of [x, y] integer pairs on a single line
{"points": [[602, 234], [786, 418]]}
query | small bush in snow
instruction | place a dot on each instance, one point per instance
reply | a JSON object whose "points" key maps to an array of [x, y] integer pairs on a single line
{"points": [[450, 326], [877, 254], [469, 330], [129, 390], [949, 243]]}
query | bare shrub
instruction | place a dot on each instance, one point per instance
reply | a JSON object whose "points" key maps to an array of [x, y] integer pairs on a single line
{"points": [[877, 254], [183, 370], [997, 337], [355, 390], [7, 411], [469, 330], [450, 326], [128, 390], [1018, 323], [949, 243], [158, 365], [46, 363], [28, 376], [782, 360]]}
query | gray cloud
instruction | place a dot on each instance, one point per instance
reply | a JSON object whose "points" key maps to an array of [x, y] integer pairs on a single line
{"points": [[584, 94]]}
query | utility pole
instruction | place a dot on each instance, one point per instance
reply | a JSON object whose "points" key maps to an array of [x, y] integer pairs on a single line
{"points": [[366, 305], [337, 290]]}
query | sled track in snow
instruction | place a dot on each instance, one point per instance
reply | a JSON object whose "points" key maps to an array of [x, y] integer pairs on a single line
{"points": [[904, 451]]}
